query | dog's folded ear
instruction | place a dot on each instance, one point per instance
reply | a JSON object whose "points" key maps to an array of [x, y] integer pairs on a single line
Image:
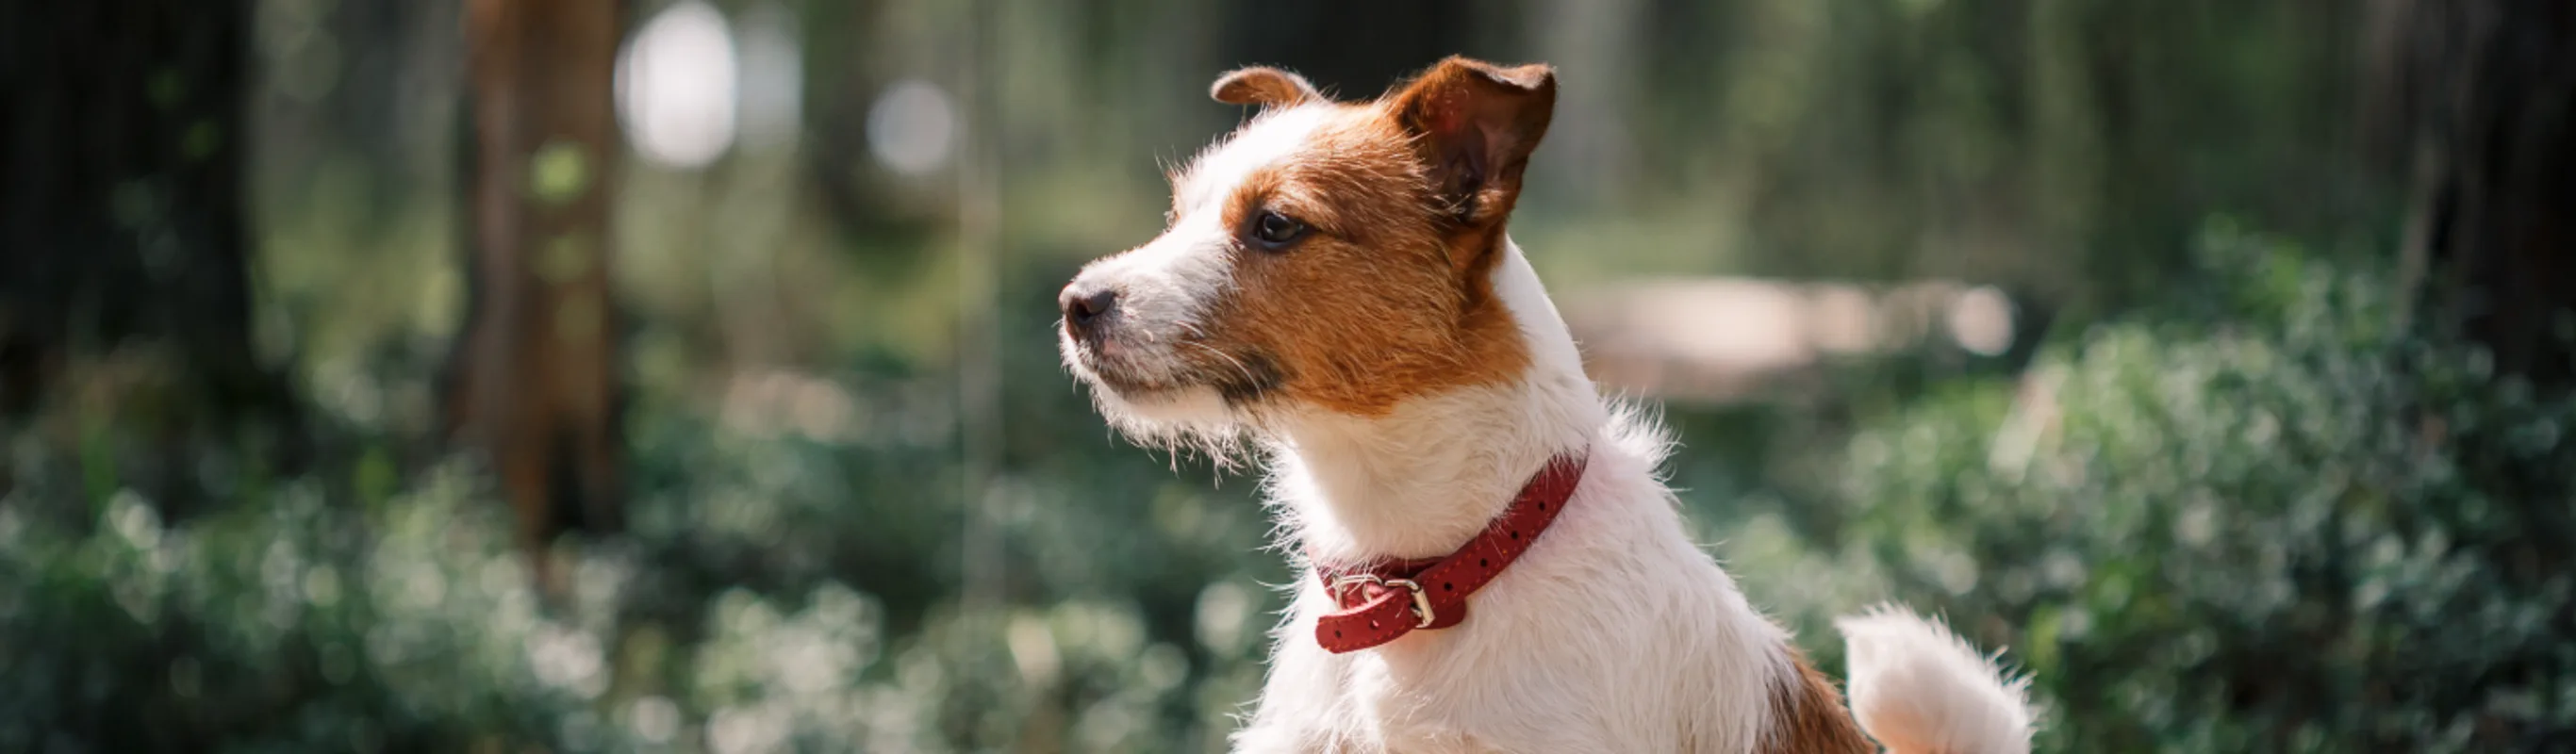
{"points": [[1475, 124], [1264, 86]]}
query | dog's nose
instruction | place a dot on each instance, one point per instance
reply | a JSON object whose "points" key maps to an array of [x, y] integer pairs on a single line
{"points": [[1085, 307]]}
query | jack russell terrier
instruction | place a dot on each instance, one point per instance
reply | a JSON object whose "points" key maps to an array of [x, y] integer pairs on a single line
{"points": [[1490, 561]]}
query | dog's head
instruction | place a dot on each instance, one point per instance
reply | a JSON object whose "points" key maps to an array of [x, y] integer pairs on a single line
{"points": [[1327, 256]]}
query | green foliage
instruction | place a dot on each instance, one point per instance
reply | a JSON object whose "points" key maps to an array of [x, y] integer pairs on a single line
{"points": [[2268, 520], [287, 626]]}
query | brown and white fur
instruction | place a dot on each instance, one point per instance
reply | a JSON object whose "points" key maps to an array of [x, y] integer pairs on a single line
{"points": [[1336, 289]]}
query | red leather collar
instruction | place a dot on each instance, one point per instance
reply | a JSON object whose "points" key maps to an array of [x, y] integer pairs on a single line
{"points": [[1387, 599]]}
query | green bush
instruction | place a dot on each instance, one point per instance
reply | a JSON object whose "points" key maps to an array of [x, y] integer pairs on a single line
{"points": [[2272, 519], [287, 622], [290, 626]]}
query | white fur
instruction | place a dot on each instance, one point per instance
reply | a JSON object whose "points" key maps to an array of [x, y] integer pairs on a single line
{"points": [[1613, 634], [1921, 690]]}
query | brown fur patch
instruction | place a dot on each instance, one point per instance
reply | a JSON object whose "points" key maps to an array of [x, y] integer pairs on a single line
{"points": [[1808, 716], [1390, 295]]}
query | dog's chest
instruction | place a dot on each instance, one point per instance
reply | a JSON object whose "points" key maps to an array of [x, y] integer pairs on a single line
{"points": [[1495, 685], [1402, 716], [1412, 718]]}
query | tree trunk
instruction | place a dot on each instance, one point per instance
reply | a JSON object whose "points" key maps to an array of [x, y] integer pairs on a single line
{"points": [[534, 379], [1352, 49], [2479, 97], [122, 218], [122, 202]]}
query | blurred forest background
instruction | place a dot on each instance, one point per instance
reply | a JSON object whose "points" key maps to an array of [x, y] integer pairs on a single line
{"points": [[640, 375]]}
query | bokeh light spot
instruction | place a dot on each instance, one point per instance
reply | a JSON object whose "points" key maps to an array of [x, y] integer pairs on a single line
{"points": [[676, 87]]}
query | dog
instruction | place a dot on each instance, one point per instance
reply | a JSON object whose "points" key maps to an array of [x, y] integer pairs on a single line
{"points": [[1489, 559]]}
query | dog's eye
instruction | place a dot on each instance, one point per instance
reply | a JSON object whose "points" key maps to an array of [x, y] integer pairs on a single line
{"points": [[1276, 231]]}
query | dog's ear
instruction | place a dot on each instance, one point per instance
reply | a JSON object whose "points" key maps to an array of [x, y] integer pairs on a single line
{"points": [[1264, 86], [1474, 124]]}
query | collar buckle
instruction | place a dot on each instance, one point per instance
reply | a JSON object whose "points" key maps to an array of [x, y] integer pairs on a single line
{"points": [[1422, 612]]}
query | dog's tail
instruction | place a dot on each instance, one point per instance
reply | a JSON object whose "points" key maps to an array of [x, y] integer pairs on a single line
{"points": [[1920, 689]]}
